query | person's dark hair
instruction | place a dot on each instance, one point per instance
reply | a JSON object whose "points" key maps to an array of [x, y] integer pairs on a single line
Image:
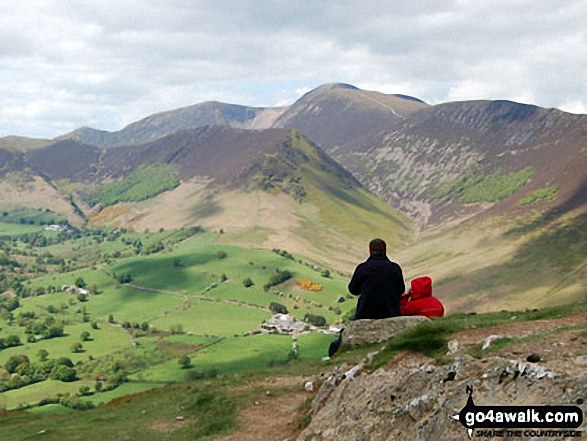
{"points": [[377, 246]]}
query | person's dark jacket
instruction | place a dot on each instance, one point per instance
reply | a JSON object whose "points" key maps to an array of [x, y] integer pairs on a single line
{"points": [[380, 283]]}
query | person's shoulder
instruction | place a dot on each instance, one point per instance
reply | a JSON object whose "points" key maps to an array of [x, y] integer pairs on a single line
{"points": [[395, 265]]}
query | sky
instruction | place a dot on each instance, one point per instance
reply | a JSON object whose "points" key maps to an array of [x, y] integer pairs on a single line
{"points": [[106, 63]]}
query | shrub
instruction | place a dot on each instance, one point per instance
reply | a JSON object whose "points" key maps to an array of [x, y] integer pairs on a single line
{"points": [[184, 362], [309, 285]]}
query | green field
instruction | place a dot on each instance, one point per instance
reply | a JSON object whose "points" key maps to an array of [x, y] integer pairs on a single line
{"points": [[36, 392], [9, 229], [191, 286]]}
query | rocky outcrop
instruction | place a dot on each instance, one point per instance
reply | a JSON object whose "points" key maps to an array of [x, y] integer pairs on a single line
{"points": [[372, 331], [416, 400]]}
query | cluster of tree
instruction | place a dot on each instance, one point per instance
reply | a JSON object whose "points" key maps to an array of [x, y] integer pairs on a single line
{"points": [[26, 372], [136, 325], [47, 328], [123, 278], [316, 320], [283, 253], [277, 278], [8, 304], [143, 183], [201, 375], [154, 248], [9, 342]]}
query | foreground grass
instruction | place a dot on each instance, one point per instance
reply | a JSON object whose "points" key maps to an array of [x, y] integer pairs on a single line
{"points": [[431, 338]]}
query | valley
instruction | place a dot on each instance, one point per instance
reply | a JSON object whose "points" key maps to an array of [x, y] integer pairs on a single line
{"points": [[151, 259]]}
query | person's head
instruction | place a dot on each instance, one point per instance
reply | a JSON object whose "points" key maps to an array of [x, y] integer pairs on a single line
{"points": [[377, 246]]}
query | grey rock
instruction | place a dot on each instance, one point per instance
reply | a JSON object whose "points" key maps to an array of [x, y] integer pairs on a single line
{"points": [[533, 358], [413, 403], [373, 331]]}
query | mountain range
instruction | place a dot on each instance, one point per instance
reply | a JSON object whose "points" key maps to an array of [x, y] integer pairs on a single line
{"points": [[489, 197]]}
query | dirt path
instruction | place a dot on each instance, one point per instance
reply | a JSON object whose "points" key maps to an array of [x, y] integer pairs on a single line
{"points": [[515, 329], [271, 418]]}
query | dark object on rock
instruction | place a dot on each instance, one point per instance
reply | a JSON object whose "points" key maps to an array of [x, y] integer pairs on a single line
{"points": [[580, 401], [503, 375], [450, 376], [393, 397], [533, 358], [516, 374], [335, 344]]}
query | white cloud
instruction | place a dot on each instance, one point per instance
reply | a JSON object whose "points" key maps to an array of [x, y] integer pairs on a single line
{"points": [[64, 64]]}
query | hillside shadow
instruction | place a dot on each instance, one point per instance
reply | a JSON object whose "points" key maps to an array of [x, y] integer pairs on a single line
{"points": [[542, 262], [207, 208], [578, 199], [169, 272]]}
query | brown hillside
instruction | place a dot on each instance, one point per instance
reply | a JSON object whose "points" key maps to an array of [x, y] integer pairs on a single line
{"points": [[406, 163], [65, 159], [215, 152], [338, 114]]}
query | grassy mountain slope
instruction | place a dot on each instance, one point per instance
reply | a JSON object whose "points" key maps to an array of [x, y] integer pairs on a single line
{"points": [[279, 190], [22, 144]]}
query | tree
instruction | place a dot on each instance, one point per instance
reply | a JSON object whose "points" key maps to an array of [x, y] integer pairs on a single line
{"points": [[85, 336], [54, 331], [221, 254], [84, 390], [12, 340], [80, 282], [14, 362], [63, 373], [93, 288], [325, 272], [248, 282], [77, 347], [316, 320], [110, 318], [277, 308], [65, 361], [145, 326], [43, 354], [184, 362], [98, 386]]}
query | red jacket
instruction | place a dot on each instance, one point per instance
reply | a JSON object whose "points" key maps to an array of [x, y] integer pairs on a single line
{"points": [[419, 300]]}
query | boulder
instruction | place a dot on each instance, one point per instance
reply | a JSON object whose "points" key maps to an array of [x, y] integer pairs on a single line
{"points": [[373, 331]]}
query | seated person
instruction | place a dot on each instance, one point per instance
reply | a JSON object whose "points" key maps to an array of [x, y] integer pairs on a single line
{"points": [[419, 301]]}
